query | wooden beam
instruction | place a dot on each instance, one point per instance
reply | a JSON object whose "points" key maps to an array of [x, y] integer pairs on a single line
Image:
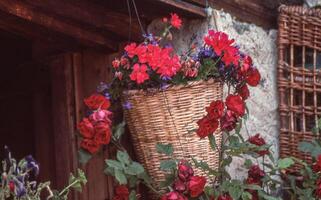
{"points": [[91, 15], [31, 15], [185, 7]]}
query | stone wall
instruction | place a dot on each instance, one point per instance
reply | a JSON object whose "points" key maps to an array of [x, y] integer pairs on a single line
{"points": [[260, 44]]}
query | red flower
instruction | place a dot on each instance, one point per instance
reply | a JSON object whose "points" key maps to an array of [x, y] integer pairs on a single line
{"points": [[218, 41], [196, 185], [224, 197], [235, 104], [259, 141], [228, 121], [179, 186], [101, 116], [97, 101], [244, 92], [216, 109], [90, 145], [231, 56], [253, 77], [140, 51], [139, 73], [86, 128], [256, 173], [317, 166], [121, 193], [318, 188], [176, 21], [246, 65], [130, 49], [11, 186], [115, 63], [103, 133], [207, 126], [119, 75], [185, 172], [173, 196]]}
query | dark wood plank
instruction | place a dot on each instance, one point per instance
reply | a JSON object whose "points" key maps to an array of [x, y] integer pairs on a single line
{"points": [[28, 13], [185, 6]]}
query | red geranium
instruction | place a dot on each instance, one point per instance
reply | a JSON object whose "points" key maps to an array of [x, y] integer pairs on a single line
{"points": [[86, 128], [115, 63], [235, 104], [253, 77], [216, 109], [207, 126], [231, 56], [90, 145], [176, 21], [259, 141], [219, 41], [103, 133], [255, 172], [130, 49], [179, 186], [97, 101], [196, 185], [246, 65], [121, 193], [139, 73], [228, 121]]}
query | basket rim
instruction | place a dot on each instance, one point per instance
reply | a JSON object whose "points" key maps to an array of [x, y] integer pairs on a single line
{"points": [[170, 87], [284, 9]]}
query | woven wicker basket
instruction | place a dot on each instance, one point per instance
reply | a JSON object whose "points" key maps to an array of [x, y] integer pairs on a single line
{"points": [[168, 116], [299, 77]]}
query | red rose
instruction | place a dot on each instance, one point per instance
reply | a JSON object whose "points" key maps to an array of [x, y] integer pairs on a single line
{"points": [[173, 196], [244, 92], [196, 185], [228, 121], [224, 197], [207, 126], [258, 141], [235, 104], [247, 63], [253, 77], [179, 186], [256, 173], [103, 133], [86, 128], [97, 101], [101, 116], [318, 188], [121, 192], [216, 109], [185, 171], [90, 145]]}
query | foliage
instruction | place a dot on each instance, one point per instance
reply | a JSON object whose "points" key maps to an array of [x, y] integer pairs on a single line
{"points": [[17, 181]]}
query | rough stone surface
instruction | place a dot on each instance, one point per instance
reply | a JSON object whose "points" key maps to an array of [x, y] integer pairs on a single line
{"points": [[260, 44]]}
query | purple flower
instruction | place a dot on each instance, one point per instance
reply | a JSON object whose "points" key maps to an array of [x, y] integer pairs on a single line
{"points": [[20, 189], [107, 95], [32, 165], [127, 105], [166, 78], [102, 87]]}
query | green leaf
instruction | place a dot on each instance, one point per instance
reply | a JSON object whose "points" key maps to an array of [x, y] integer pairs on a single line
{"points": [[285, 163], [253, 187], [169, 179], [109, 171], [134, 169], [114, 164], [235, 191], [246, 196], [310, 147], [123, 157], [248, 163], [212, 141], [166, 149], [167, 165], [132, 195], [84, 156], [120, 177], [119, 130]]}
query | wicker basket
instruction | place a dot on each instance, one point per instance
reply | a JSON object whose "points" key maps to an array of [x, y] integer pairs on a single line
{"points": [[299, 77], [168, 116]]}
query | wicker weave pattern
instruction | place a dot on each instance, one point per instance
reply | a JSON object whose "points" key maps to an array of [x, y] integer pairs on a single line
{"points": [[167, 117], [299, 76]]}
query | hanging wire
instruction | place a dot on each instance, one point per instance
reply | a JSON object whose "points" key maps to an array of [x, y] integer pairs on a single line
{"points": [[130, 21], [138, 18]]}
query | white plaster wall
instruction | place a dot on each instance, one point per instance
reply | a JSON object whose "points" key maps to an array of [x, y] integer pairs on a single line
{"points": [[260, 44]]}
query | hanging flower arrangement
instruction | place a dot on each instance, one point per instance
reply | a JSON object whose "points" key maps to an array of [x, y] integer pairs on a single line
{"points": [[153, 64]]}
